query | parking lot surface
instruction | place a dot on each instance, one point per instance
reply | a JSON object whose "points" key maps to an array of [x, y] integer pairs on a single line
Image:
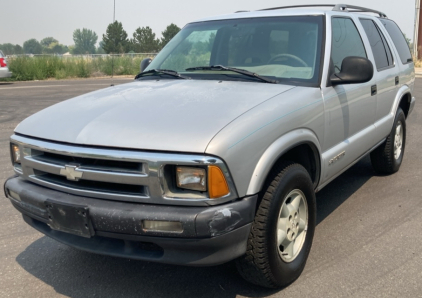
{"points": [[368, 241]]}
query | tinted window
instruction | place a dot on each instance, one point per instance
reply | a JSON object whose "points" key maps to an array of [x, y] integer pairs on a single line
{"points": [[398, 40], [346, 42], [380, 49]]}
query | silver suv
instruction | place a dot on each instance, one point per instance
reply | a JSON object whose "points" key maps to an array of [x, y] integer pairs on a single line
{"points": [[216, 150]]}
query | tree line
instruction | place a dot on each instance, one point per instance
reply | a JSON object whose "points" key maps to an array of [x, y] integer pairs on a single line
{"points": [[114, 41]]}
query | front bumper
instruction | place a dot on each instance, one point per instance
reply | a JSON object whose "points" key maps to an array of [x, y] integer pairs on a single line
{"points": [[211, 235]]}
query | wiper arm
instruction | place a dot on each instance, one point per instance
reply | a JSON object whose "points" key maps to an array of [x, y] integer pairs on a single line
{"points": [[236, 70], [172, 73]]}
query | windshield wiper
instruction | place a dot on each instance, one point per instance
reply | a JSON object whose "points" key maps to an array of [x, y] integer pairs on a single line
{"points": [[236, 70], [172, 73]]}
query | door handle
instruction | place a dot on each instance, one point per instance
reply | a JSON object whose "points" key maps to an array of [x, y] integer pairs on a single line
{"points": [[397, 80], [373, 90]]}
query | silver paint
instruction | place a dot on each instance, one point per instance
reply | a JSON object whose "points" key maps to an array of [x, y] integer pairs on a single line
{"points": [[247, 125]]}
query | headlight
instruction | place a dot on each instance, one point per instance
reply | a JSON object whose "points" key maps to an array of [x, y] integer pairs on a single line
{"points": [[16, 154], [191, 178], [199, 180]]}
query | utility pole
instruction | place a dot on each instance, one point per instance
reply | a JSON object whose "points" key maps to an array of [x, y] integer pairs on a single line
{"points": [[417, 40]]}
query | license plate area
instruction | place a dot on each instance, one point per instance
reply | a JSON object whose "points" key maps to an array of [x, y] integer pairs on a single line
{"points": [[69, 218]]}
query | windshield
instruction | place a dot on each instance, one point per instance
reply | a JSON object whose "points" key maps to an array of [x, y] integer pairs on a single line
{"points": [[285, 49]]}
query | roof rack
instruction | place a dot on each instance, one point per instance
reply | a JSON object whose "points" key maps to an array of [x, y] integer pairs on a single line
{"points": [[346, 7], [336, 7]]}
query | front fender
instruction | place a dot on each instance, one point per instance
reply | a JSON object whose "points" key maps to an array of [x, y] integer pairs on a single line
{"points": [[276, 150]]}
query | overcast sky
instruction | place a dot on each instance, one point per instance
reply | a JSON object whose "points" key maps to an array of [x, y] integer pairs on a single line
{"points": [[21, 20]]}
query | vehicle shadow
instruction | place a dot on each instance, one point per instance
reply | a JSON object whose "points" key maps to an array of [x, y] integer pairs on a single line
{"points": [[340, 189], [80, 274]]}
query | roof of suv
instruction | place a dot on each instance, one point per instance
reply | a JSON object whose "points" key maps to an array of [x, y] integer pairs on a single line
{"points": [[301, 10]]}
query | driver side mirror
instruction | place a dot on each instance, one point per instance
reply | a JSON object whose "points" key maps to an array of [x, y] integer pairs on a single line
{"points": [[145, 63], [354, 70]]}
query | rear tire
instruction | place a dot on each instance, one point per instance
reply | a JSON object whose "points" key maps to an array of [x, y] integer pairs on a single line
{"points": [[387, 158], [283, 229]]}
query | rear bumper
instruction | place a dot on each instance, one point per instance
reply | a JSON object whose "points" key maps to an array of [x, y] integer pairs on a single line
{"points": [[5, 73], [211, 235]]}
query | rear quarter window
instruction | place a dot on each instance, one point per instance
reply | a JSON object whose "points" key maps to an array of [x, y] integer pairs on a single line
{"points": [[398, 40]]}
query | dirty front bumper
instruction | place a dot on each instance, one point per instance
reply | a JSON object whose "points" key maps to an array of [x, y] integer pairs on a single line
{"points": [[210, 236]]}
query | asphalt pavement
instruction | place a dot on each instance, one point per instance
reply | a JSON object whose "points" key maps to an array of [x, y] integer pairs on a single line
{"points": [[368, 241]]}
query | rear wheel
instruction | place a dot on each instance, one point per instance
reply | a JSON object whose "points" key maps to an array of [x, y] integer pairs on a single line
{"points": [[283, 229], [387, 158]]}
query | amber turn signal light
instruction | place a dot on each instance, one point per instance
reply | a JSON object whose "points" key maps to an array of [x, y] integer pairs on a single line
{"points": [[217, 184]]}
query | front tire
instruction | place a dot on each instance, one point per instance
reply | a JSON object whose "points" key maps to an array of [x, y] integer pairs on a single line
{"points": [[387, 158], [283, 229]]}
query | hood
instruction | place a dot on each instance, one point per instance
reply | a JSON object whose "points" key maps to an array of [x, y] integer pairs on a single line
{"points": [[167, 115]]}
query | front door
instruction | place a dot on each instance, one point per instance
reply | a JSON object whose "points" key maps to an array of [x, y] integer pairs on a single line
{"points": [[349, 109]]}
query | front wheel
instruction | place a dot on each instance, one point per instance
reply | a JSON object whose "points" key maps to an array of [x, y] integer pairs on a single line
{"points": [[283, 229]]}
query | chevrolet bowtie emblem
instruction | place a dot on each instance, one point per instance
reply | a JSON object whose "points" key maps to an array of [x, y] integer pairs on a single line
{"points": [[71, 173]]}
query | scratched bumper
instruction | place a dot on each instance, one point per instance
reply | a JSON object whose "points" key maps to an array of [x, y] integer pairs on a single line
{"points": [[211, 235]]}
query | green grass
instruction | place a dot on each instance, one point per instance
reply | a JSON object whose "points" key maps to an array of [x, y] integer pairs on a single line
{"points": [[47, 67]]}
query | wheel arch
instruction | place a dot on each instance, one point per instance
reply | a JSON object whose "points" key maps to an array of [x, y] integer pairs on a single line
{"points": [[402, 100], [300, 146]]}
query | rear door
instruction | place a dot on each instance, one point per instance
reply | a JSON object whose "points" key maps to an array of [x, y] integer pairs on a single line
{"points": [[387, 74], [401, 48]]}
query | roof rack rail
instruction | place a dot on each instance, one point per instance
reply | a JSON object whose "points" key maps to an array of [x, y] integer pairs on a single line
{"points": [[299, 6], [346, 7], [336, 7]]}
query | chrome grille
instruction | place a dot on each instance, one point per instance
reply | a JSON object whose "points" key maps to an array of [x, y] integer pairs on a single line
{"points": [[91, 185], [114, 174]]}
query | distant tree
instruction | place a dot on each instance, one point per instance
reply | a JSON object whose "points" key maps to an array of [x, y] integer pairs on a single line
{"points": [[65, 49], [409, 42], [100, 49], [7, 48], [56, 48], [85, 41], [71, 49], [18, 50], [115, 40], [47, 41], [32, 46], [168, 34], [51, 45], [144, 41]]}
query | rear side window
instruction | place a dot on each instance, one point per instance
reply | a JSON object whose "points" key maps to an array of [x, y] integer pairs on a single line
{"points": [[398, 40], [346, 42], [380, 48]]}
